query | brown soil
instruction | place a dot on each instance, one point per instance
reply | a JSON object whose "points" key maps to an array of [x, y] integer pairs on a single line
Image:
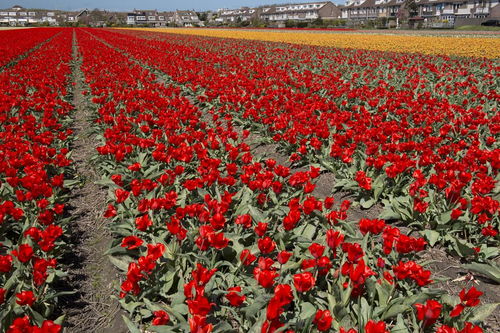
{"points": [[93, 308], [445, 266]]}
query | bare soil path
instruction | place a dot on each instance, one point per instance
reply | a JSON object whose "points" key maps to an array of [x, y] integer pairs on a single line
{"points": [[93, 308]]}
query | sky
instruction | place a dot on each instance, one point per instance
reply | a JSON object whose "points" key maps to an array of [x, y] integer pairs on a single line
{"points": [[126, 5]]}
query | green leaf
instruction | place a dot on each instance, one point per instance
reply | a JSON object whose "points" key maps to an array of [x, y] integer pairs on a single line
{"points": [[61, 293], [160, 329], [450, 300], [482, 312], [445, 217], [255, 307], [431, 236], [364, 311], [121, 264], [60, 320], [130, 306], [39, 319], [490, 252], [307, 310], [331, 302], [401, 326], [11, 280], [394, 310], [490, 271], [151, 307], [256, 214], [389, 214], [462, 248], [223, 326], [180, 308], [378, 185], [366, 204], [383, 295], [131, 326]]}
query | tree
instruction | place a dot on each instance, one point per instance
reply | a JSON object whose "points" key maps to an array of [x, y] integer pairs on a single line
{"points": [[412, 7], [96, 17], [202, 16], [318, 22]]}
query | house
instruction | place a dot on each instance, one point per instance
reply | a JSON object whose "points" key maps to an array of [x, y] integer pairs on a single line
{"points": [[142, 17], [186, 18], [19, 16], [153, 18], [429, 11], [244, 14], [300, 12]]}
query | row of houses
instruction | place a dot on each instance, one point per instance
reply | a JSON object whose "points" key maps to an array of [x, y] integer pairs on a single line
{"points": [[19, 16], [280, 13], [186, 18], [365, 10], [426, 10]]}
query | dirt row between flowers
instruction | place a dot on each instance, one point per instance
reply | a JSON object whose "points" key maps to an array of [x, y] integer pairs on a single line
{"points": [[446, 269], [90, 273]]}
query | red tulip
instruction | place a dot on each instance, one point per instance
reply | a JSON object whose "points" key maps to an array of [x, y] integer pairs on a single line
{"points": [[429, 312], [304, 281], [160, 318], [323, 320], [234, 296], [25, 298]]}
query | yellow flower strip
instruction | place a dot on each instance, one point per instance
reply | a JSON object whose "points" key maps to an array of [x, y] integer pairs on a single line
{"points": [[458, 46]]}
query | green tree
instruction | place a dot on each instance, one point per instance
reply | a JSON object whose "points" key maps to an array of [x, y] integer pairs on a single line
{"points": [[202, 16], [412, 7]]}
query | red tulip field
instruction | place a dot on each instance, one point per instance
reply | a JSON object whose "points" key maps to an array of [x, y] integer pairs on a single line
{"points": [[245, 186]]}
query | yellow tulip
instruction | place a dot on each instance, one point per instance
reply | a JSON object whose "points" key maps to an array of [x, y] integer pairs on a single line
{"points": [[466, 46]]}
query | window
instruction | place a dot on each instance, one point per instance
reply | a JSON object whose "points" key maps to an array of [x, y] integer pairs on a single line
{"points": [[151, 18], [161, 18]]}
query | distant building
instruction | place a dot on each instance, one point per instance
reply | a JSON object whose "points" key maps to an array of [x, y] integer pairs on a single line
{"points": [[307, 11], [155, 18], [186, 18], [429, 11], [19, 16], [243, 14]]}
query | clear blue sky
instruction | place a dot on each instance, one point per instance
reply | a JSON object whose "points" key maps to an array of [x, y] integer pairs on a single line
{"points": [[125, 5]]}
